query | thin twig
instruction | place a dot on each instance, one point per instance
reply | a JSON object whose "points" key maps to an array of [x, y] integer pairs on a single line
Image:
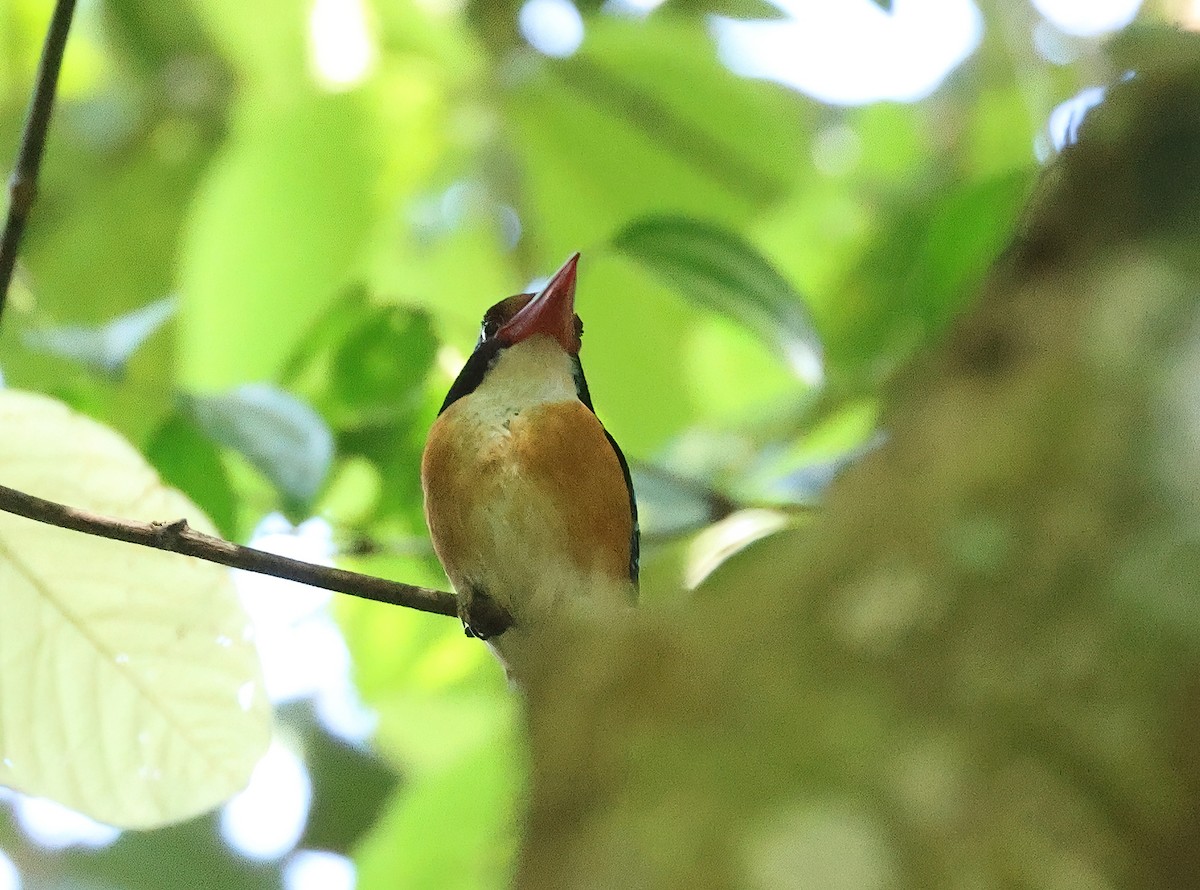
{"points": [[175, 536], [178, 537], [22, 185]]}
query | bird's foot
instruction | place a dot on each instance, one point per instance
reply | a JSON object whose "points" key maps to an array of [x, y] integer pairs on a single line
{"points": [[482, 616]]}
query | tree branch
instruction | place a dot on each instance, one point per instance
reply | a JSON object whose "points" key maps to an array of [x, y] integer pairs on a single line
{"points": [[22, 185], [178, 537]]}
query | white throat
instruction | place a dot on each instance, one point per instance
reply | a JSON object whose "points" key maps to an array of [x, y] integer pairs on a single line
{"points": [[533, 372]]}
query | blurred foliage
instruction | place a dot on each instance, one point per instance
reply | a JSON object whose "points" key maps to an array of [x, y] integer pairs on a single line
{"points": [[977, 666], [326, 239]]}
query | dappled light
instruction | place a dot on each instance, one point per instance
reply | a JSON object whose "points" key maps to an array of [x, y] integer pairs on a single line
{"points": [[55, 827], [1065, 120], [552, 27], [343, 49], [315, 870], [854, 53], [267, 819], [1091, 18], [10, 878]]}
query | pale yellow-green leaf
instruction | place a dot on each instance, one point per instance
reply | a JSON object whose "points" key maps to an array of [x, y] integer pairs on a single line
{"points": [[130, 689]]}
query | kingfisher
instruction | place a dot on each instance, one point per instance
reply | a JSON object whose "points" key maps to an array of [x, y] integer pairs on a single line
{"points": [[528, 497]]}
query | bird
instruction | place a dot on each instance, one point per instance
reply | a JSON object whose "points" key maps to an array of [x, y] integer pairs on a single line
{"points": [[528, 498]]}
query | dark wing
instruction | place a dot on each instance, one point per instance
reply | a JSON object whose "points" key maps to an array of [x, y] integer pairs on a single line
{"points": [[635, 538]]}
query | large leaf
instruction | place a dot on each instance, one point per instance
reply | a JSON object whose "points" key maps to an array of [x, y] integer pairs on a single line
{"points": [[129, 688], [722, 272], [284, 438]]}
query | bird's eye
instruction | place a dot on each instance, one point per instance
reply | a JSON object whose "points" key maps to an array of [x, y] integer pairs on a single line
{"points": [[490, 326]]}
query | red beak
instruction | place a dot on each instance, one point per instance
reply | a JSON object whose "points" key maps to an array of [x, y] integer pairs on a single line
{"points": [[551, 312]]}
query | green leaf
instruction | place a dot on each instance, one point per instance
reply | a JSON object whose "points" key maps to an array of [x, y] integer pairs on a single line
{"points": [[364, 364], [365, 368], [275, 233], [473, 803], [281, 436], [922, 267], [724, 273], [112, 245], [106, 348], [307, 368], [378, 395], [130, 690], [885, 5], [188, 460], [381, 366], [962, 239]]}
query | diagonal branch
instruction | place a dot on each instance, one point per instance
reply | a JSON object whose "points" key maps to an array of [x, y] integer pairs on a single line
{"points": [[22, 185], [178, 537]]}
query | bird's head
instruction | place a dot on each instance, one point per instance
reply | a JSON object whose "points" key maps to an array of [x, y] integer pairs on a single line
{"points": [[551, 311], [529, 340]]}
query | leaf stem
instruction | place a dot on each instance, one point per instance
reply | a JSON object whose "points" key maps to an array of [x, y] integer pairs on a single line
{"points": [[22, 185], [177, 537]]}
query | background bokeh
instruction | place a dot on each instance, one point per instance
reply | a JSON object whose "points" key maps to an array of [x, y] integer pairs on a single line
{"points": [[266, 233]]}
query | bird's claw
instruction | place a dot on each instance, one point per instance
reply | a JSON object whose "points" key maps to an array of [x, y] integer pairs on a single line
{"points": [[483, 617]]}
